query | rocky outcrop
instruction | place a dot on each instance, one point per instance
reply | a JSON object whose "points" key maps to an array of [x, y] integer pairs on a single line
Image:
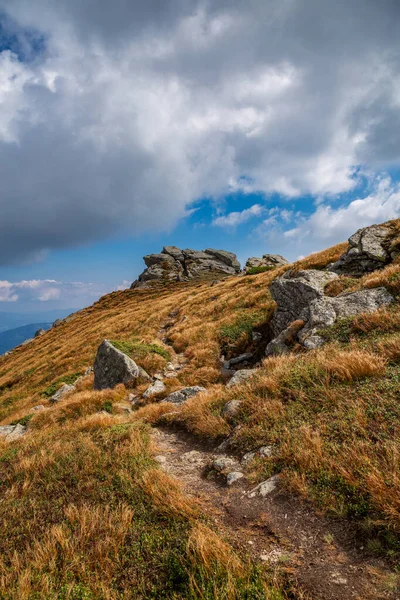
{"points": [[184, 394], [39, 332], [12, 432], [303, 309], [370, 249], [270, 261], [174, 264], [294, 292], [112, 367]]}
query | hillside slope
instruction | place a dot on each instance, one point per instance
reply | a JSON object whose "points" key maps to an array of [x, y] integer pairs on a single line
{"points": [[87, 513], [14, 337]]}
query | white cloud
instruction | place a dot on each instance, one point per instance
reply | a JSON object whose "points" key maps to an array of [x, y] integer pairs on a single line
{"points": [[328, 225], [135, 110], [234, 219], [45, 290]]}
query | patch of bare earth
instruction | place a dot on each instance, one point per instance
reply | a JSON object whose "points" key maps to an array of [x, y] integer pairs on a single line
{"points": [[319, 554]]}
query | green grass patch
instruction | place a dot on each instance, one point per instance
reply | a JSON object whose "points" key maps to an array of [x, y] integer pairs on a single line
{"points": [[52, 388], [261, 269], [243, 325], [137, 349], [23, 420]]}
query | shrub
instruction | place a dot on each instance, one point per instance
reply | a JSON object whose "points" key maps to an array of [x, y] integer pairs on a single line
{"points": [[260, 269]]}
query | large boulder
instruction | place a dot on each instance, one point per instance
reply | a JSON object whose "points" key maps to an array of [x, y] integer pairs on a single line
{"points": [[370, 249], [303, 309], [112, 367], [293, 292], [270, 261], [174, 264], [324, 312]]}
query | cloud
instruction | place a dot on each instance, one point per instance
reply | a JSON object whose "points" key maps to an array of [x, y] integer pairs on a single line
{"points": [[237, 218], [328, 225], [117, 116], [45, 290]]}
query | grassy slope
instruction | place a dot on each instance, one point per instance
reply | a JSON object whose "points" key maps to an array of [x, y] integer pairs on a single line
{"points": [[84, 510]]}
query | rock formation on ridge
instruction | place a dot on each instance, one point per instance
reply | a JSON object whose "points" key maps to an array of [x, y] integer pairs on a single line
{"points": [[174, 264]]}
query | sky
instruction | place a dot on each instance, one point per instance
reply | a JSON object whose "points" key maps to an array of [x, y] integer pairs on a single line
{"points": [[256, 126]]}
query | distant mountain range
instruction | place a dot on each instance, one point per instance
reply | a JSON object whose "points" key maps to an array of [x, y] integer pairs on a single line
{"points": [[14, 337], [11, 320]]}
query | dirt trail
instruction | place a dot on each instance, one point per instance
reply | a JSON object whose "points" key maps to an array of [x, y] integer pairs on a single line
{"points": [[279, 529]]}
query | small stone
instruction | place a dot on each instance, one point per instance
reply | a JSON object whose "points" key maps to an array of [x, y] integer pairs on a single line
{"points": [[265, 488], [155, 388], [233, 477], [222, 464], [38, 408], [256, 336], [239, 359], [184, 394], [231, 408], [160, 459], [39, 332], [63, 391], [241, 376]]}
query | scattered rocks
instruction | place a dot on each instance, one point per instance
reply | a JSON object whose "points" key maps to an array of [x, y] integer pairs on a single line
{"points": [[12, 432], [370, 249], [184, 394], [271, 261], [63, 391], [231, 408], [155, 388], [112, 367], [233, 477], [174, 264], [264, 451], [241, 376]]}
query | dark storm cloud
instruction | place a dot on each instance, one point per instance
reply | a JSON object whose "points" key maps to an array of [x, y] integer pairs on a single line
{"points": [[133, 110]]}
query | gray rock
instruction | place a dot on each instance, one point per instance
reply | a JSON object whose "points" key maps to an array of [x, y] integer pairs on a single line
{"points": [[38, 408], [39, 332], [155, 388], [60, 393], [12, 432], [265, 488], [223, 464], [175, 252], [295, 291], [241, 376], [369, 250], [264, 452], [57, 322], [239, 359], [256, 336], [112, 367], [231, 408], [268, 260], [226, 257], [233, 477], [184, 394], [174, 264], [324, 312]]}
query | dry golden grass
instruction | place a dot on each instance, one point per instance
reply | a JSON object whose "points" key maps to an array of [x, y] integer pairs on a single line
{"points": [[80, 476]]}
